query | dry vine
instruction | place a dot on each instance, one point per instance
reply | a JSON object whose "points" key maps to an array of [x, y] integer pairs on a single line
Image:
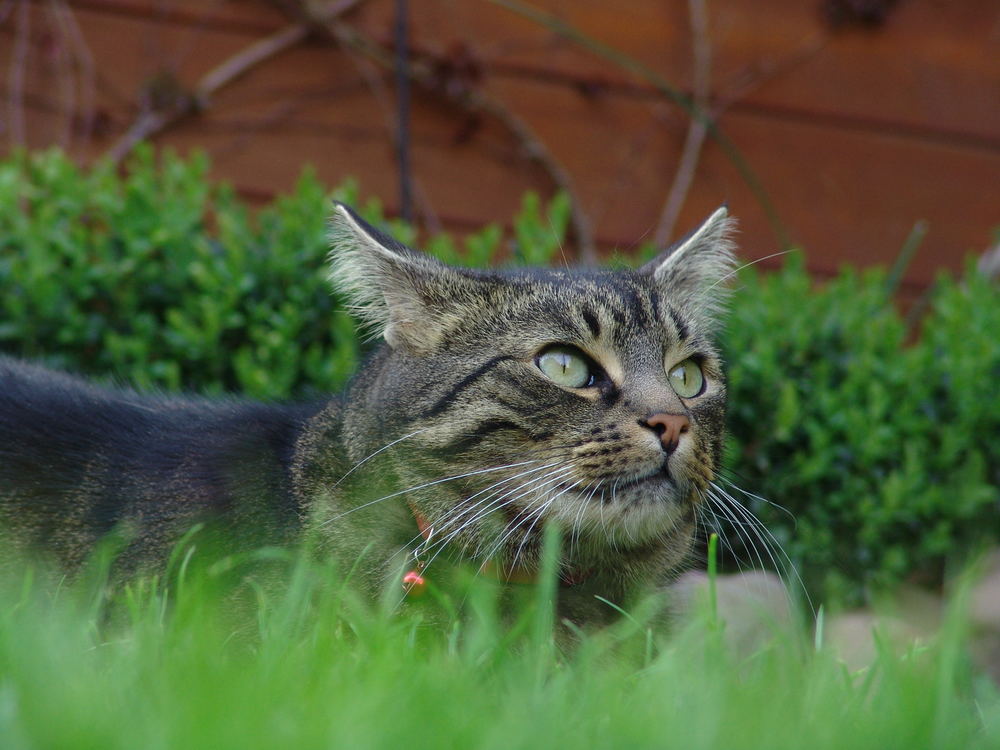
{"points": [[697, 127], [472, 100], [155, 119]]}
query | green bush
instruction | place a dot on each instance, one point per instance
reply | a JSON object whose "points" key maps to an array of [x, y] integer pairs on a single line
{"points": [[883, 448], [883, 452], [163, 278]]}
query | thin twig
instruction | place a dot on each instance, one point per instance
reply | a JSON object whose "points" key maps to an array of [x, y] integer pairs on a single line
{"points": [[909, 249], [746, 84], [658, 82], [697, 126], [65, 73], [151, 122], [989, 263], [475, 100], [84, 62], [5, 8], [242, 62], [15, 97], [403, 111]]}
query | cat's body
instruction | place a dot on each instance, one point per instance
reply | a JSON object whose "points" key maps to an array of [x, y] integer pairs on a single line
{"points": [[500, 403], [77, 460]]}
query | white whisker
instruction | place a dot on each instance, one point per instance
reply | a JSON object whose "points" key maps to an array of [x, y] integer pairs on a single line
{"points": [[738, 511], [533, 485], [372, 455], [424, 486], [747, 265], [541, 512]]}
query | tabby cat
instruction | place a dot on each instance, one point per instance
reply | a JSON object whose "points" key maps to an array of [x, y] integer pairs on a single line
{"points": [[500, 402]]}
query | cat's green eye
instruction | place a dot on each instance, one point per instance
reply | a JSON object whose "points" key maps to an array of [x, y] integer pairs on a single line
{"points": [[686, 378], [565, 366]]}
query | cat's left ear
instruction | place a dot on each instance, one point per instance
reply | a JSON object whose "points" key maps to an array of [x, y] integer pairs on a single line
{"points": [[693, 272], [407, 297]]}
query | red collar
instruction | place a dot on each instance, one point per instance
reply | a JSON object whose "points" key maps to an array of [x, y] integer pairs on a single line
{"points": [[414, 582]]}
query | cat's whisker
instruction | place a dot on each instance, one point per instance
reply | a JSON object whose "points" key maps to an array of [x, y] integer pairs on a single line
{"points": [[370, 456], [507, 500], [786, 568], [731, 517], [609, 536], [533, 485], [584, 503], [747, 265], [541, 512], [465, 508], [512, 525], [447, 520], [509, 531], [753, 523], [752, 539], [527, 534], [767, 540], [719, 526], [500, 502], [764, 500], [422, 486]]}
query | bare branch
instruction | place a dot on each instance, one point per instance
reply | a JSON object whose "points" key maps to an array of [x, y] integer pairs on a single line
{"points": [[477, 101], [658, 82], [697, 126], [15, 97], [83, 64], [154, 121], [402, 34], [243, 61], [989, 262]]}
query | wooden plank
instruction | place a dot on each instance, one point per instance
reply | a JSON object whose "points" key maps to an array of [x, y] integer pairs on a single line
{"points": [[847, 196], [933, 67], [853, 197], [222, 15], [849, 190]]}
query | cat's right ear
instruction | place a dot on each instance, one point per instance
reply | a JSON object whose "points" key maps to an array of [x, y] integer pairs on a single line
{"points": [[692, 272], [397, 292]]}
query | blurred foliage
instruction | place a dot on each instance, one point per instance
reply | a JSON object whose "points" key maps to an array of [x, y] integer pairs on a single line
{"points": [[882, 444], [164, 279], [883, 447]]}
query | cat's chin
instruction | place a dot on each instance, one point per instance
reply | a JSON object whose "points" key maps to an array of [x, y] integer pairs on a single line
{"points": [[628, 512]]}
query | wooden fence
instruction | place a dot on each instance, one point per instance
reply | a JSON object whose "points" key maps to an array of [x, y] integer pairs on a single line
{"points": [[837, 124]]}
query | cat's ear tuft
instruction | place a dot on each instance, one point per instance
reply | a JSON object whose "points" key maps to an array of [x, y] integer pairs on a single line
{"points": [[693, 272], [390, 287]]}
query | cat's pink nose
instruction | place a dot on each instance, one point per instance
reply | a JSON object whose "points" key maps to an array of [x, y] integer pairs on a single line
{"points": [[669, 428]]}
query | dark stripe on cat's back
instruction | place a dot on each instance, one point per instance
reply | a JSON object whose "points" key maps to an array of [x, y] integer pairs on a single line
{"points": [[462, 384]]}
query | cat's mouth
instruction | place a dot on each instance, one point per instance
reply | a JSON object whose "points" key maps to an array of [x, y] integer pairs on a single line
{"points": [[623, 511], [657, 476], [656, 485]]}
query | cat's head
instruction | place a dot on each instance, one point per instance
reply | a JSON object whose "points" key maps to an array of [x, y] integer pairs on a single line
{"points": [[594, 398]]}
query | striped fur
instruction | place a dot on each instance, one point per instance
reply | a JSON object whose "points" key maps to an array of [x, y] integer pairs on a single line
{"points": [[451, 419]]}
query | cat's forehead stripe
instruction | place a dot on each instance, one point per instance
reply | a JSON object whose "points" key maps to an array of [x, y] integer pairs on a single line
{"points": [[591, 320], [682, 328]]}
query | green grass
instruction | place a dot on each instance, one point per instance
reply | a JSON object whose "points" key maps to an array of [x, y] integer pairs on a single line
{"points": [[228, 657]]}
